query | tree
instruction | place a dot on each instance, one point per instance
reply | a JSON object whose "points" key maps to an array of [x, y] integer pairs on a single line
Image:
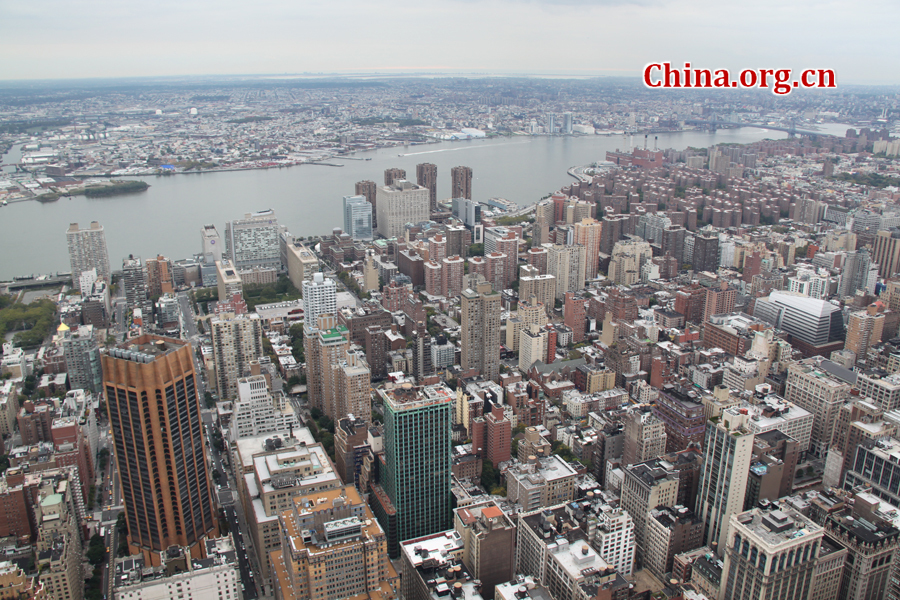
{"points": [[208, 398], [96, 554], [490, 477], [476, 250]]}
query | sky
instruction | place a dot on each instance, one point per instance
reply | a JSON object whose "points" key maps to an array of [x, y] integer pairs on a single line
{"points": [[60, 39]]}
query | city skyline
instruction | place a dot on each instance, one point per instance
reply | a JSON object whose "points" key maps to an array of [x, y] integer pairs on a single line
{"points": [[219, 39]]}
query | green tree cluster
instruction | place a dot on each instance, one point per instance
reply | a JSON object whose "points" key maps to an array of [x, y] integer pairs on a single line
{"points": [[33, 322]]}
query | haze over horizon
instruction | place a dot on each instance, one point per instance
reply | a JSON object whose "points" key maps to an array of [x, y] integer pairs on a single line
{"points": [[56, 39]]}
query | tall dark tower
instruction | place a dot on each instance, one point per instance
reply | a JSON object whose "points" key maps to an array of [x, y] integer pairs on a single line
{"points": [[367, 188], [154, 411], [426, 176], [461, 185]]}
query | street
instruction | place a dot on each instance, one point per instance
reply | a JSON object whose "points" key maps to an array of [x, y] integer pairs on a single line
{"points": [[230, 506], [190, 332]]}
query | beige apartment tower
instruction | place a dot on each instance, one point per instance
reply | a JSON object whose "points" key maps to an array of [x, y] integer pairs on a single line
{"points": [[87, 250], [481, 330], [236, 342], [587, 234], [568, 265]]}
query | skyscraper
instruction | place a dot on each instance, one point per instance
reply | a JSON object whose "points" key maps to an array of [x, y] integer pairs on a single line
{"points": [[461, 182], [154, 413], [706, 253], [568, 265], [82, 355], [236, 341], [160, 276], [416, 470], [426, 176], [319, 297], [254, 240], [587, 234], [864, 329], [87, 250], [338, 380], [134, 280], [727, 451], [481, 330], [357, 217], [886, 252], [856, 273]]}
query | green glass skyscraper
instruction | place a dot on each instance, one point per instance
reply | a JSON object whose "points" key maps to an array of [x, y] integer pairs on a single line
{"points": [[416, 472]]}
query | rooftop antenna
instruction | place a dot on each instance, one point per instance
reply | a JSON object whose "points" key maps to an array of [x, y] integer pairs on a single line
{"points": [[655, 140], [646, 135]]}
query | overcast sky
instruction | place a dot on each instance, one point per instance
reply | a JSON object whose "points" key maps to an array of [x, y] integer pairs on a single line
{"points": [[110, 38]]}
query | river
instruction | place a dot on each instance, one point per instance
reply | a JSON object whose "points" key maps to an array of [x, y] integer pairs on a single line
{"points": [[166, 219]]}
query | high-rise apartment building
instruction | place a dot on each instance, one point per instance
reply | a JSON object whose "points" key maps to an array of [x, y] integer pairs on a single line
{"points": [[414, 496], [645, 486], [628, 258], [82, 354], [886, 252], [671, 530], [770, 554], [87, 250], [858, 272], [452, 271], [358, 218], [568, 264], [426, 176], [338, 380], [154, 413], [399, 203], [719, 301], [480, 310], [254, 241], [727, 452], [461, 182], [864, 329], [319, 298], [58, 547], [393, 174], [706, 253], [236, 341], [587, 234], [160, 277], [134, 281], [367, 189]]}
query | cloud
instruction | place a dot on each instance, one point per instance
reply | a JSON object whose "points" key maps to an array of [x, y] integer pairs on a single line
{"points": [[103, 38]]}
